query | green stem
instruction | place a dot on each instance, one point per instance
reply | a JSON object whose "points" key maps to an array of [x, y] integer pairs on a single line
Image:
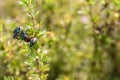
{"points": [[32, 16]]}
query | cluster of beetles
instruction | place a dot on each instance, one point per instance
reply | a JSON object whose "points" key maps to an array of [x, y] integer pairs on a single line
{"points": [[19, 33]]}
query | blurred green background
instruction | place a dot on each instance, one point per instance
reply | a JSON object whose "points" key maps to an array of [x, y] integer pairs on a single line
{"points": [[85, 40]]}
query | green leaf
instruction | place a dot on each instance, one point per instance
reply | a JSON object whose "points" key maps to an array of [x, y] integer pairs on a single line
{"points": [[31, 1], [116, 3], [91, 2], [37, 13], [6, 78], [23, 3]]}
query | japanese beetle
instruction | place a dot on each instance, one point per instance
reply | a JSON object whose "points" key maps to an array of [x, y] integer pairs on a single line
{"points": [[24, 36], [33, 41], [17, 32]]}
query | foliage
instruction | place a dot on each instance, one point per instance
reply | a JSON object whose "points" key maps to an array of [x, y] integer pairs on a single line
{"points": [[77, 40]]}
